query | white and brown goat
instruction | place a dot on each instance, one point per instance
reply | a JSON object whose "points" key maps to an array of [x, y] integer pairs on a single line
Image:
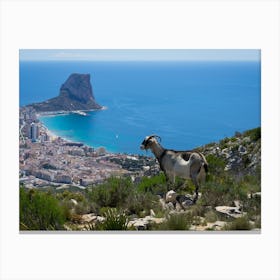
{"points": [[184, 164]]}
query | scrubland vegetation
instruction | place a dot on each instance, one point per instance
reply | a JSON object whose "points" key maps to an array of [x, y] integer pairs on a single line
{"points": [[117, 202]]}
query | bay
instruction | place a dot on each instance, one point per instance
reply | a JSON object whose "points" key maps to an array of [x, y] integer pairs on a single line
{"points": [[188, 104]]}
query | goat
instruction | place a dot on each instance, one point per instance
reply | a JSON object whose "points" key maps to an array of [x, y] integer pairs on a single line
{"points": [[184, 164]]}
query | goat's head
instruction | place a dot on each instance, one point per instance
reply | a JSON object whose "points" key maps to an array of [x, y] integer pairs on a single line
{"points": [[149, 141]]}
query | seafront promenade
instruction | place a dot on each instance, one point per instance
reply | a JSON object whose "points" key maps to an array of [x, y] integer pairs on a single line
{"points": [[48, 160]]}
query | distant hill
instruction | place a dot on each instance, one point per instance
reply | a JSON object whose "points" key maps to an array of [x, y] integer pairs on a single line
{"points": [[75, 94]]}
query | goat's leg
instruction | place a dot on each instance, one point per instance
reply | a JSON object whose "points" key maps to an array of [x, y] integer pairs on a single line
{"points": [[195, 181], [199, 179], [173, 180], [196, 193], [170, 180], [169, 184], [194, 172]]}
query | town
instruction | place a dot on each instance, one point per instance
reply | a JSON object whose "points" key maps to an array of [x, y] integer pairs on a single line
{"points": [[48, 160]]}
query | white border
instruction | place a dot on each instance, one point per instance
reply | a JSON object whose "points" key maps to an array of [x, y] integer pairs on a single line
{"points": [[139, 24]]}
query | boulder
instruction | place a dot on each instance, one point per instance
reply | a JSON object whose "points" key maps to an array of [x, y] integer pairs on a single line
{"points": [[171, 196], [218, 225], [170, 206], [238, 204], [73, 202], [139, 224], [184, 200], [143, 223], [254, 195], [152, 213], [163, 204], [92, 217], [233, 212]]}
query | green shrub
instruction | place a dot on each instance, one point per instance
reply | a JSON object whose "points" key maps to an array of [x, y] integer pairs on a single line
{"points": [[180, 221], [82, 208], [258, 222], [67, 195], [112, 193], [197, 209], [114, 220], [159, 185], [222, 191], [156, 184], [139, 203], [211, 216], [254, 134], [241, 223], [214, 194], [40, 211], [216, 164], [120, 193], [253, 207], [224, 143]]}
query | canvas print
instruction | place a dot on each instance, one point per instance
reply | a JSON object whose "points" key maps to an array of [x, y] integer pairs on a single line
{"points": [[140, 140]]}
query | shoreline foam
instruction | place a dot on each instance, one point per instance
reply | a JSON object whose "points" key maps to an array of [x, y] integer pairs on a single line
{"points": [[56, 113]]}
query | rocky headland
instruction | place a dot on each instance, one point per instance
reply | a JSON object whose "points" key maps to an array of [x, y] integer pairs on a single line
{"points": [[75, 94]]}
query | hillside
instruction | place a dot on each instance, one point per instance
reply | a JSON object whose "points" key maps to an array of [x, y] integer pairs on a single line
{"points": [[229, 200], [240, 154]]}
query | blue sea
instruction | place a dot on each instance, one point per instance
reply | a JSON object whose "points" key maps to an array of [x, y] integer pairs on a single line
{"points": [[188, 104]]}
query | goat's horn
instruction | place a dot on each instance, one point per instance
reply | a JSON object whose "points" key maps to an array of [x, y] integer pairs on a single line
{"points": [[156, 136]]}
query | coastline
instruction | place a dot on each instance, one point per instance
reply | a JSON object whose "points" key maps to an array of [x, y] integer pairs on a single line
{"points": [[47, 159], [52, 135], [28, 116]]}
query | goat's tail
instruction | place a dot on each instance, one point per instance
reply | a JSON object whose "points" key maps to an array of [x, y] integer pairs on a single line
{"points": [[205, 166]]}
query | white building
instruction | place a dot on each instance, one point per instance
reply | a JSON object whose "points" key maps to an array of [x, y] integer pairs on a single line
{"points": [[34, 132]]}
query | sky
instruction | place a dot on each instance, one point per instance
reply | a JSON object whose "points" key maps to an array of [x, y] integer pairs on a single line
{"points": [[140, 55]]}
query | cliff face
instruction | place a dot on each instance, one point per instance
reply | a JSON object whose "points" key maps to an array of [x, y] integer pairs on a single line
{"points": [[75, 94]]}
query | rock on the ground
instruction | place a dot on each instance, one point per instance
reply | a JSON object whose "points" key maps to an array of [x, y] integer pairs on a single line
{"points": [[143, 223], [184, 200], [218, 225], [254, 195], [92, 217], [233, 212], [152, 213], [74, 202], [171, 196]]}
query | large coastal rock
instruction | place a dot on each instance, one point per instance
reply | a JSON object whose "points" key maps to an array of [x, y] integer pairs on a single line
{"points": [[75, 94]]}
